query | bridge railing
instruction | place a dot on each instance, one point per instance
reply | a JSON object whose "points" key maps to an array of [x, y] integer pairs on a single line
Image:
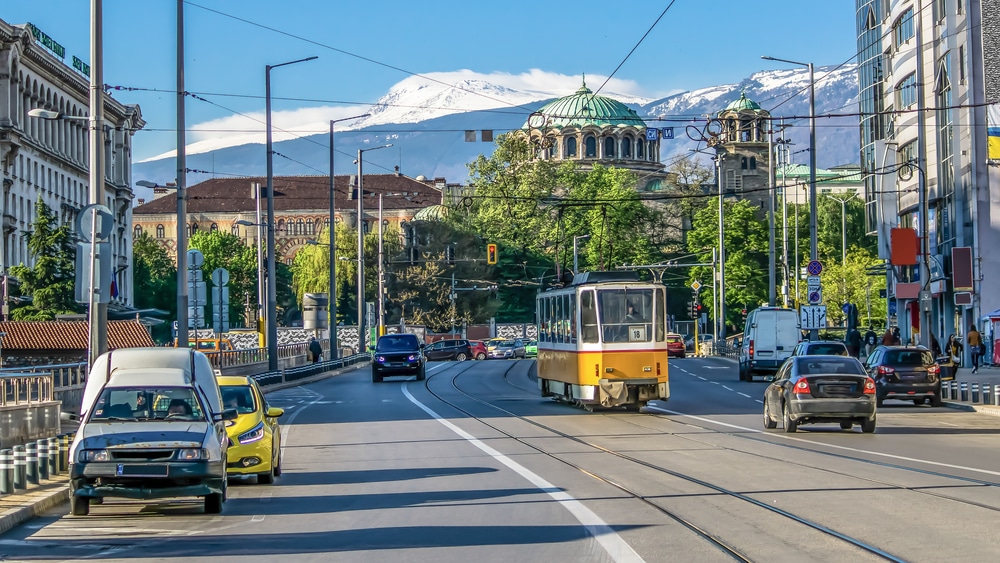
{"points": [[25, 388]]}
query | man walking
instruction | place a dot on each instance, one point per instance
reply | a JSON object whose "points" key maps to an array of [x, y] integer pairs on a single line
{"points": [[871, 340], [975, 342]]}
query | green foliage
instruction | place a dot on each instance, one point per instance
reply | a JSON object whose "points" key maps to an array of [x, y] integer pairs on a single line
{"points": [[848, 283], [226, 250], [154, 277], [50, 282]]}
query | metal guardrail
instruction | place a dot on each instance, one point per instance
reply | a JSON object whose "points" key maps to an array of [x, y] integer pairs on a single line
{"points": [[25, 388], [309, 370], [63, 375]]}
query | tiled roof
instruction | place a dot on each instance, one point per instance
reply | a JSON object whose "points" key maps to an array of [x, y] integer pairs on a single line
{"points": [[295, 193], [69, 335]]}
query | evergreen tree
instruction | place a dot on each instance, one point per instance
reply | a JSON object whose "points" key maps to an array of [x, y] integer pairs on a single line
{"points": [[51, 281]]}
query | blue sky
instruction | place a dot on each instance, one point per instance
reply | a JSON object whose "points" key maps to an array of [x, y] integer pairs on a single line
{"points": [[697, 43]]}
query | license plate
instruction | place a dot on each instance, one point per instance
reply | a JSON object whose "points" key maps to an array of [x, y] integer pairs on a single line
{"points": [[834, 389], [126, 470]]}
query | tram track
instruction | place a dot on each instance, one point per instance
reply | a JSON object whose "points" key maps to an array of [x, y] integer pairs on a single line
{"points": [[709, 537]]}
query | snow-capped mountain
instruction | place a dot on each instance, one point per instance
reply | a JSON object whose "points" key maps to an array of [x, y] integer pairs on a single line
{"points": [[426, 119]]}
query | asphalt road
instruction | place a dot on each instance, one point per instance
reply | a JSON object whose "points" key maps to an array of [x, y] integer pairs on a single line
{"points": [[472, 465]]}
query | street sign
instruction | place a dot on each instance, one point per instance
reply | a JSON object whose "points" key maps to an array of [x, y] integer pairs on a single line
{"points": [[815, 296], [696, 285], [102, 274], [195, 276], [652, 134], [95, 219], [220, 276], [813, 317], [197, 294], [195, 259], [667, 132], [813, 281], [196, 317], [814, 268]]}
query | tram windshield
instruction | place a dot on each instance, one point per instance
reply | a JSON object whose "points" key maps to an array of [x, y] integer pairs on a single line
{"points": [[626, 315]]}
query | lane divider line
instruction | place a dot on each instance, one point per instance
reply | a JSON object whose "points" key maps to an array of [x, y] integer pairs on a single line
{"points": [[612, 543]]}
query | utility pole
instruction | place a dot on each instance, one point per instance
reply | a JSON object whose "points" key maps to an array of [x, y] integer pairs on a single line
{"points": [[722, 249], [181, 250], [771, 283], [925, 272]]}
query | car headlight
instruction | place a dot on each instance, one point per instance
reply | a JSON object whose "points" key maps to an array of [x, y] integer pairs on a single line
{"points": [[192, 454], [95, 455], [252, 435], [412, 357], [380, 359]]}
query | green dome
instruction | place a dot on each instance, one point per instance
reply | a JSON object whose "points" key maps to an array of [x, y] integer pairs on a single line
{"points": [[743, 103], [584, 108], [431, 213]]}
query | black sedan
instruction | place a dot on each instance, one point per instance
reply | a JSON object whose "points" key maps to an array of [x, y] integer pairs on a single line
{"points": [[816, 389], [397, 354], [906, 373]]}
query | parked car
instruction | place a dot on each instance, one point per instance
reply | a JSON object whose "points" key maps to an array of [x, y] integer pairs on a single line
{"points": [[821, 348], [531, 349], [702, 340], [453, 349], [254, 437], [479, 349], [907, 373], [509, 349], [818, 389], [769, 336], [676, 346], [397, 354]]}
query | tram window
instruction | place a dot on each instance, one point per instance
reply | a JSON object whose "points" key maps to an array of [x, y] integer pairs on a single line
{"points": [[626, 315], [572, 319], [661, 315], [588, 316], [559, 327]]}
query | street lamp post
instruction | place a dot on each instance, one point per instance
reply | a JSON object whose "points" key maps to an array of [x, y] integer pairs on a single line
{"points": [[334, 349], [361, 243], [272, 296], [261, 293], [576, 267], [813, 251], [721, 321], [843, 226]]}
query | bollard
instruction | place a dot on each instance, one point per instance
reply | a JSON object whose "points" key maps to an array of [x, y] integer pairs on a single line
{"points": [[31, 457], [963, 391], [20, 464], [952, 390], [974, 396], [53, 456], [43, 458], [63, 452], [986, 393], [996, 395], [6, 472]]}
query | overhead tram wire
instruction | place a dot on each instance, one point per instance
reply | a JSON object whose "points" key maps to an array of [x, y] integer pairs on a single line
{"points": [[641, 39]]}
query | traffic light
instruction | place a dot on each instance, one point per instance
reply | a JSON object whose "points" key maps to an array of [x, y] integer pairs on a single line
{"points": [[449, 255], [692, 309], [491, 254]]}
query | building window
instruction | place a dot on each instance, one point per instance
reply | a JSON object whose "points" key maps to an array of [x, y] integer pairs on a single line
{"points": [[743, 162], [640, 149], [961, 63], [734, 182], [906, 92], [281, 225], [590, 146], [609, 147], [194, 228], [550, 147], [902, 29], [159, 231], [907, 153], [235, 229], [753, 163], [300, 228], [627, 147], [137, 232], [570, 146], [214, 228]]}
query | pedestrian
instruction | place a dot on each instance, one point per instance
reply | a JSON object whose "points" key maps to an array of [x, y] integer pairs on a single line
{"points": [[953, 348], [975, 342], [887, 337], [871, 340], [854, 342], [315, 349], [896, 340]]}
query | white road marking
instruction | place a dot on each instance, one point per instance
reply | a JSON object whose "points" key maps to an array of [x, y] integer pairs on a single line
{"points": [[726, 388], [759, 401], [257, 518], [714, 382], [702, 378], [716, 367], [745, 395], [834, 446], [616, 547]]}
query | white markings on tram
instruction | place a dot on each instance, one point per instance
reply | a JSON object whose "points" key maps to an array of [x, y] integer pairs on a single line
{"points": [[616, 547]]}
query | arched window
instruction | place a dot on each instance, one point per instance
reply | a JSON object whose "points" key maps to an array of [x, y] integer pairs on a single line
{"points": [[318, 226], [743, 162], [281, 225], [137, 231], [753, 163], [194, 228], [627, 147], [300, 227], [590, 146], [214, 228], [570, 147], [159, 231], [640, 152], [551, 147], [609, 147], [235, 230], [326, 224]]}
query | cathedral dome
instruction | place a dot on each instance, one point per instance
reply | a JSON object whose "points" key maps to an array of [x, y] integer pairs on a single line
{"points": [[431, 213], [582, 109], [742, 104]]}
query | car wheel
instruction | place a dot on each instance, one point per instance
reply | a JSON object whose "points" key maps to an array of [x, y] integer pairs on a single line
{"points": [[743, 373], [213, 503], [79, 506], [936, 400], [376, 378], [920, 401], [868, 426], [769, 422], [480, 356], [846, 425], [267, 477], [461, 356], [790, 425], [879, 402], [277, 466]]}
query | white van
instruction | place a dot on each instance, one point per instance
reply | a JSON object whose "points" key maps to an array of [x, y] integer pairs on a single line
{"points": [[152, 426], [769, 338]]}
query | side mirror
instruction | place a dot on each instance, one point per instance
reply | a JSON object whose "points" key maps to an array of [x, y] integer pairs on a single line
{"points": [[66, 416], [227, 414], [274, 412]]}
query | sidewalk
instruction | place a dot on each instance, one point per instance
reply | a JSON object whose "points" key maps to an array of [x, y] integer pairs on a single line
{"points": [[18, 508]]}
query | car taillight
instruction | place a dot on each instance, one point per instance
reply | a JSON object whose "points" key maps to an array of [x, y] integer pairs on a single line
{"points": [[751, 349], [869, 386], [935, 369], [886, 370], [801, 387]]}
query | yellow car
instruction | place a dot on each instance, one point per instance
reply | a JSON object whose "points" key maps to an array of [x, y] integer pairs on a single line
{"points": [[254, 437]]}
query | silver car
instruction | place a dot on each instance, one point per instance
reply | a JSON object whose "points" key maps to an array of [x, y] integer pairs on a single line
{"points": [[509, 349], [817, 389]]}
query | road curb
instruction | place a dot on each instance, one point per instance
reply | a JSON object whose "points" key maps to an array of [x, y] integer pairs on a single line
{"points": [[19, 508], [311, 379], [991, 410]]}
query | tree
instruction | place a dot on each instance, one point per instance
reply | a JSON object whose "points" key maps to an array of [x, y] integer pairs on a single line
{"points": [[850, 284], [226, 250], [50, 282], [154, 274]]}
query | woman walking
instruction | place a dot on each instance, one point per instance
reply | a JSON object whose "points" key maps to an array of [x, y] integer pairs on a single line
{"points": [[953, 348], [975, 342]]}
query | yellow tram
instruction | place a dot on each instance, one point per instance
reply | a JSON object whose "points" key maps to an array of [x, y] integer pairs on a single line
{"points": [[602, 341]]}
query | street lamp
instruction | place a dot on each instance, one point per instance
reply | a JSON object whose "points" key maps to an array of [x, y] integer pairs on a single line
{"points": [[334, 349], [272, 296], [361, 241], [261, 297], [813, 253], [575, 239]]}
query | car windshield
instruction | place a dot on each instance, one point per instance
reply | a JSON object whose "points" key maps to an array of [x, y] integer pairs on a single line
{"points": [[826, 366], [506, 344], [239, 397], [147, 403], [908, 358], [673, 339], [827, 348], [401, 343]]}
